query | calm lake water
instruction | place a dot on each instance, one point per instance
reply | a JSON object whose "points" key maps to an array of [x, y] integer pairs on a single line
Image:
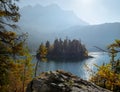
{"points": [[79, 68]]}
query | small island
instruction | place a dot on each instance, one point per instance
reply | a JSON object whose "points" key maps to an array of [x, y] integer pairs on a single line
{"points": [[62, 50]]}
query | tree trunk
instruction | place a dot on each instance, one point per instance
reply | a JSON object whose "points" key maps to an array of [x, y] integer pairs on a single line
{"points": [[36, 68]]}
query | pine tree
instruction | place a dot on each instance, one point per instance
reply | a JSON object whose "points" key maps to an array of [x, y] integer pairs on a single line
{"points": [[15, 72], [63, 49]]}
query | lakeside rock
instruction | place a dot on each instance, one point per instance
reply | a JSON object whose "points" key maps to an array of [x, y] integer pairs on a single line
{"points": [[61, 81]]}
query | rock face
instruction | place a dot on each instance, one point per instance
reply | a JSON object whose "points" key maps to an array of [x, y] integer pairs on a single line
{"points": [[60, 81]]}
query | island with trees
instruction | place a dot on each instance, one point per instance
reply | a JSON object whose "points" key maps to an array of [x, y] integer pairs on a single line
{"points": [[63, 50]]}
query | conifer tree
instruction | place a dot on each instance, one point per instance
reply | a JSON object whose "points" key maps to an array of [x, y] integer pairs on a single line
{"points": [[15, 71]]}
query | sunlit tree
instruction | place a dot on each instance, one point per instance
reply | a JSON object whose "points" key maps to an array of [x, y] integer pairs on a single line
{"points": [[108, 75], [40, 55], [15, 71]]}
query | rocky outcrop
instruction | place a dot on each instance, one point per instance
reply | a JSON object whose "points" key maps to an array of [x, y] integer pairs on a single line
{"points": [[60, 81]]}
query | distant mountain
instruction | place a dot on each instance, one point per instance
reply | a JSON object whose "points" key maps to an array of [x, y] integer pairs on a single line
{"points": [[91, 35], [45, 22], [50, 22], [48, 19], [95, 35]]}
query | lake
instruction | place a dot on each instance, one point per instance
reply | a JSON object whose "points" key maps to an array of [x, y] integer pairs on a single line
{"points": [[79, 68]]}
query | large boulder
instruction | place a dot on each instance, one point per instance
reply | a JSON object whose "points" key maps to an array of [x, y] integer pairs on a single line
{"points": [[60, 81]]}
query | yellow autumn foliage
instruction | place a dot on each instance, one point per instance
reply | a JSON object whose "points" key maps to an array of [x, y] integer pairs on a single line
{"points": [[108, 75], [17, 71], [106, 78]]}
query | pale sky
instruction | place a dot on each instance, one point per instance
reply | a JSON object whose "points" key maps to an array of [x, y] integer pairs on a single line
{"points": [[91, 11]]}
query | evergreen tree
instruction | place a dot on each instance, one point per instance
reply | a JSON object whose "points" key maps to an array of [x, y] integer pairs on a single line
{"points": [[47, 45], [14, 69], [15, 72], [66, 49]]}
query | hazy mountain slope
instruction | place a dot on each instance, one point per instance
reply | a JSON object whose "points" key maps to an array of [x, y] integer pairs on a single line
{"points": [[44, 23], [95, 35], [50, 22], [48, 19]]}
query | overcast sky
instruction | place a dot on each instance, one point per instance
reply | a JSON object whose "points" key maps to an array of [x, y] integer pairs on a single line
{"points": [[91, 11]]}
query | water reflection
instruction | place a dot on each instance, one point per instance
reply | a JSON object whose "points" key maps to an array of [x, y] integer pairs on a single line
{"points": [[99, 59]]}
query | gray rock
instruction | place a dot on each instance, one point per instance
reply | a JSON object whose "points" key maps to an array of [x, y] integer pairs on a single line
{"points": [[61, 81]]}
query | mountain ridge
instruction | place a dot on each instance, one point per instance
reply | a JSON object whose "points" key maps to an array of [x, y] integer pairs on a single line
{"points": [[44, 26], [99, 35], [95, 35], [48, 18]]}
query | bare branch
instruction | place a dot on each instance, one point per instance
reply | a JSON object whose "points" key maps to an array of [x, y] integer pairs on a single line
{"points": [[100, 49]]}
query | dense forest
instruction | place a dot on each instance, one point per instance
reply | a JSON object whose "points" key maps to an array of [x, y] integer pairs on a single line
{"points": [[63, 50]]}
